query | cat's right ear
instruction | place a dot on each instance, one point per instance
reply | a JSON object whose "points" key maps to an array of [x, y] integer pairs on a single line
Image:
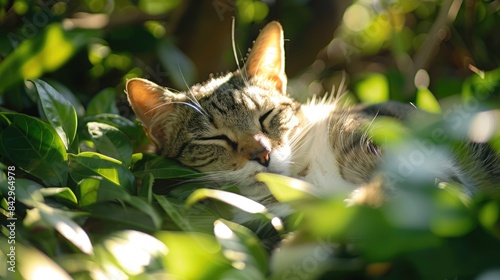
{"points": [[149, 99], [267, 57]]}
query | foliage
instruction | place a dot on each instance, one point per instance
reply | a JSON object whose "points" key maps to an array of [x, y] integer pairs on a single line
{"points": [[88, 205]]}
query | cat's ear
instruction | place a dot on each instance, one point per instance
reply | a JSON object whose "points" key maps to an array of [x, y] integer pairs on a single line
{"points": [[149, 99], [267, 57]]}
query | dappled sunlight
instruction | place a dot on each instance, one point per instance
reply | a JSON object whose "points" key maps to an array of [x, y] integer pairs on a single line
{"points": [[484, 125]]}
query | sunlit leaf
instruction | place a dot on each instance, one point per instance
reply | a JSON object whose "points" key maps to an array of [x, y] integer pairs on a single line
{"points": [[451, 218], [45, 52], [193, 255], [89, 164], [34, 261], [426, 101], [241, 246], [58, 110], [60, 193], [103, 102], [373, 88], [60, 221], [35, 147], [134, 251], [287, 189], [233, 199], [110, 141]]}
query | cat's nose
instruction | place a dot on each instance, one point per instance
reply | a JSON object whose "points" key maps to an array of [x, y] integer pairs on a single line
{"points": [[262, 157]]}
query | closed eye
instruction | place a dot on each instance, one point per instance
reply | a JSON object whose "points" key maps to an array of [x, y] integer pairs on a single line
{"points": [[222, 137], [263, 118]]}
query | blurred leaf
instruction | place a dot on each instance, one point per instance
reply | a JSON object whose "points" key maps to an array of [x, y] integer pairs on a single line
{"points": [[89, 164], [111, 142], [135, 252], [60, 221], [35, 147], [34, 261], [233, 199], [373, 88], [242, 247], [46, 52], [384, 130], [60, 193], [193, 255], [156, 7], [103, 102], [481, 87], [27, 191], [287, 189], [58, 110], [181, 70], [426, 101]]}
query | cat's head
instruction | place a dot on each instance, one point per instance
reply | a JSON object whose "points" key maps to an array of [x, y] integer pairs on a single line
{"points": [[232, 126]]}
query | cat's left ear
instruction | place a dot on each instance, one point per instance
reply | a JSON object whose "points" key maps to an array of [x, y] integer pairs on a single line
{"points": [[267, 57]]}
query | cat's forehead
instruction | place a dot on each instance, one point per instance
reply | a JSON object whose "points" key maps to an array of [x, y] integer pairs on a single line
{"points": [[234, 92]]}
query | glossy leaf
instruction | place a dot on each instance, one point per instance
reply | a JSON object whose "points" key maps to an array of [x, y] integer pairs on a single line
{"points": [[110, 141], [89, 164], [60, 193], [116, 216], [58, 110], [35, 147]]}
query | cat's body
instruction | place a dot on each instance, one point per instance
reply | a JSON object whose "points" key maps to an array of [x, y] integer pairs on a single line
{"points": [[238, 125]]}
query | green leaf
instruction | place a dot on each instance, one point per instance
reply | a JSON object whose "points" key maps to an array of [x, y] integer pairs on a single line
{"points": [[119, 216], [241, 246], [34, 261], [61, 193], [161, 168], [103, 102], [146, 189], [146, 208], [374, 88], [156, 7], [193, 255], [60, 221], [45, 52], [134, 252], [89, 164], [58, 110], [93, 190], [426, 101], [287, 189], [110, 141], [35, 147], [230, 198]]}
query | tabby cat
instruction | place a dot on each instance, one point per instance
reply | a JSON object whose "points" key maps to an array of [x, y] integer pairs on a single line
{"points": [[238, 125]]}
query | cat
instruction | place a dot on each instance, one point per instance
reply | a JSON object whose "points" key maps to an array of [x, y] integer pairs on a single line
{"points": [[243, 123]]}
